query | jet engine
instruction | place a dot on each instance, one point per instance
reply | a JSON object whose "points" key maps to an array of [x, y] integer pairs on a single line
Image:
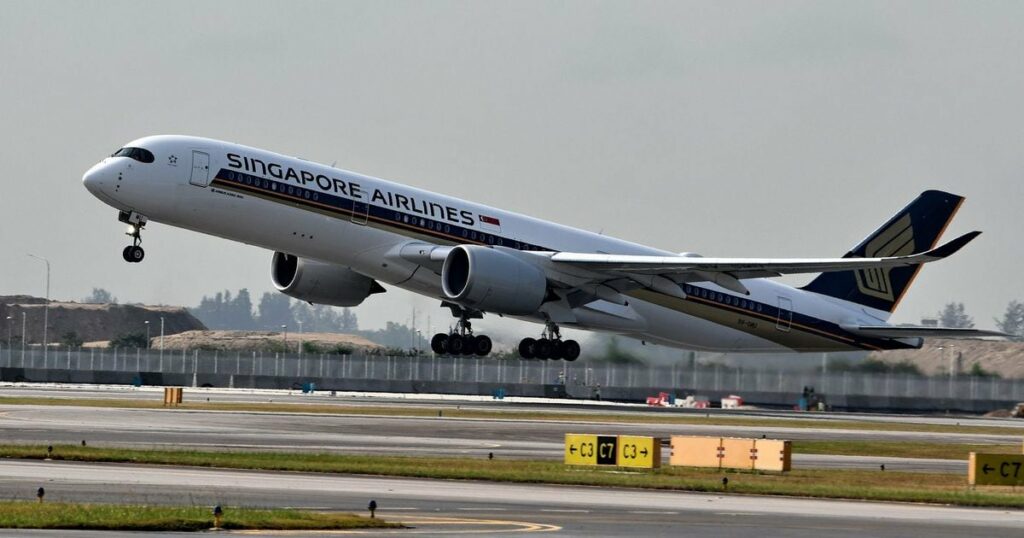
{"points": [[320, 283], [490, 280]]}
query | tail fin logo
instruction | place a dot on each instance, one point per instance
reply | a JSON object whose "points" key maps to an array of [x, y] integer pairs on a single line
{"points": [[896, 240]]}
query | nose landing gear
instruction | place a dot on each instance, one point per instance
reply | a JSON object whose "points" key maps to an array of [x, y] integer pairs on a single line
{"points": [[133, 253], [549, 346]]}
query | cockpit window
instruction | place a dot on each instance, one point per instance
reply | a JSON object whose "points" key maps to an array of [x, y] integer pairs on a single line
{"points": [[139, 154]]}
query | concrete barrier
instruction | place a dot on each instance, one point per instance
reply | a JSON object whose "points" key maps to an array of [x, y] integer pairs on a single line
{"points": [[172, 396], [696, 451], [731, 453], [772, 455]]}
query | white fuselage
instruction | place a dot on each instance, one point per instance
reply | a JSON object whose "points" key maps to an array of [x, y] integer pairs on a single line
{"points": [[285, 204]]}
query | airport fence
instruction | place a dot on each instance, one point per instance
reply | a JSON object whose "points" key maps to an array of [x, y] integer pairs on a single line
{"points": [[469, 374]]}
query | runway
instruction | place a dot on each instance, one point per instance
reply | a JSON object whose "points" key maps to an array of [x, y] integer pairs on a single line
{"points": [[221, 430], [445, 507], [435, 507], [433, 435], [445, 401]]}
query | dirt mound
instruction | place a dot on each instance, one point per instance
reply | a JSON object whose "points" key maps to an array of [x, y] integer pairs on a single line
{"points": [[997, 356], [266, 341], [91, 322]]}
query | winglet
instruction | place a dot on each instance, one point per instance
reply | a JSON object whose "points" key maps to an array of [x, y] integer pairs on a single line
{"points": [[950, 248]]}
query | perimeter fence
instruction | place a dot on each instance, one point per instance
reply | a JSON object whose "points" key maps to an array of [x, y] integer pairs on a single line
{"points": [[482, 375]]}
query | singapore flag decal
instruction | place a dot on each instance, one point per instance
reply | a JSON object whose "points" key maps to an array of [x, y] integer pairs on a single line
{"points": [[490, 223]]}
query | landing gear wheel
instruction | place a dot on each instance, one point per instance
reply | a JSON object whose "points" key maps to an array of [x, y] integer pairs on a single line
{"points": [[456, 344], [469, 344], [133, 254], [527, 348], [557, 350], [549, 346], [439, 343], [570, 350], [482, 345], [543, 349]]}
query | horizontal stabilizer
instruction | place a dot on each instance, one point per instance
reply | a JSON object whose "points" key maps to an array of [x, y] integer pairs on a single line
{"points": [[897, 331]]}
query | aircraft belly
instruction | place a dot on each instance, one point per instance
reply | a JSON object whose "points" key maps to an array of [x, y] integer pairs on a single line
{"points": [[692, 324]]}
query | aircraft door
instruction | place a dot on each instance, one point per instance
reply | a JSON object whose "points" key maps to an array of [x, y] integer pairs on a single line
{"points": [[360, 211], [200, 169], [785, 319]]}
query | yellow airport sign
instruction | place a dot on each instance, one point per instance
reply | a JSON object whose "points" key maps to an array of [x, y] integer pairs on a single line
{"points": [[639, 451], [995, 469], [587, 449], [580, 449]]}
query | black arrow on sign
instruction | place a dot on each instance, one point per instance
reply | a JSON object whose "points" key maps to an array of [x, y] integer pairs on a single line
{"points": [[986, 469], [644, 452], [572, 449]]}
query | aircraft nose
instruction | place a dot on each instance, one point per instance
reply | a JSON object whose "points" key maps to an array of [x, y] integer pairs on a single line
{"points": [[94, 180]]}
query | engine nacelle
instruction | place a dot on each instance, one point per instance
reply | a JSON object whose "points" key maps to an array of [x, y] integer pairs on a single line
{"points": [[490, 280], [320, 283]]}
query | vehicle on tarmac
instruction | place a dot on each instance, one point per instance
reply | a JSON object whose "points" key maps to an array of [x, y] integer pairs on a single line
{"points": [[337, 236]]}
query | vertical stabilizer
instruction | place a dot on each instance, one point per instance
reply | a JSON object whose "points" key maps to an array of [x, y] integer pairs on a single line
{"points": [[914, 229]]}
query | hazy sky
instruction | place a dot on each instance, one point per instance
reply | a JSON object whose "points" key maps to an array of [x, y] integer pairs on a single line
{"points": [[725, 128]]}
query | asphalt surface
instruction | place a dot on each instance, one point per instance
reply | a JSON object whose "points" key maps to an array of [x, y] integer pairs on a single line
{"points": [[434, 507], [439, 401], [433, 435], [360, 434], [442, 507]]}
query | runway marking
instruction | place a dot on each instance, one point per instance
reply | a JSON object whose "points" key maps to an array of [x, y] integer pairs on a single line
{"points": [[498, 526], [565, 510], [483, 509], [655, 512]]}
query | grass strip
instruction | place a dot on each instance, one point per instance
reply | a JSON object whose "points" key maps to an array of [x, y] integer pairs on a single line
{"points": [[32, 515], [942, 488], [628, 417], [900, 449]]}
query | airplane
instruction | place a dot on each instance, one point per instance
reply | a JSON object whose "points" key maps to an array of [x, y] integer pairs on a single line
{"points": [[336, 236]]}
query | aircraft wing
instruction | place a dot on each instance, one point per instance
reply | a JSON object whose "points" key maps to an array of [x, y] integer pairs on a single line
{"points": [[897, 331], [726, 272]]}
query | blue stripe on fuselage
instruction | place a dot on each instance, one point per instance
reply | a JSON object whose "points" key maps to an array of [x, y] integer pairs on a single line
{"points": [[458, 234]]}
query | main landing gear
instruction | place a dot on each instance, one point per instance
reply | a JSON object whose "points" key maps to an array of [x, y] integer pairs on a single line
{"points": [[133, 253], [549, 346], [461, 340]]}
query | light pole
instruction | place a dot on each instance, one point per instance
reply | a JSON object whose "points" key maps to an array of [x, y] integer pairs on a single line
{"points": [[952, 359], [161, 340], [10, 346], [284, 339], [147, 333], [300, 339], [46, 309], [23, 338]]}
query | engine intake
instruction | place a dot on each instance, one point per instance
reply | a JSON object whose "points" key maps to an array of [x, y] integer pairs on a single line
{"points": [[320, 283], [490, 280]]}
